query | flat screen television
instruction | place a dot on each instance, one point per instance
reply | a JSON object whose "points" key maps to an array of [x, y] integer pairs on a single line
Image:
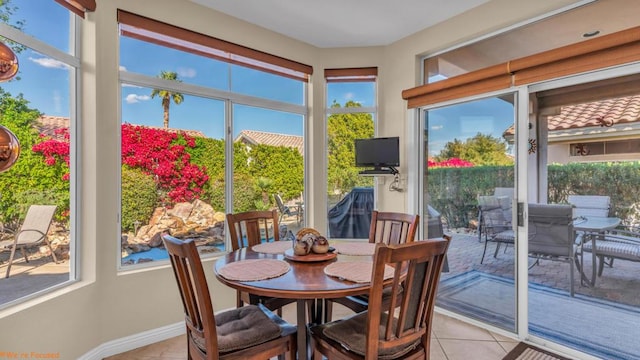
{"points": [[379, 153]]}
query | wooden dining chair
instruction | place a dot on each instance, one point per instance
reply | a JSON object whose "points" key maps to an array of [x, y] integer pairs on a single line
{"points": [[250, 332], [400, 329], [250, 228], [390, 228]]}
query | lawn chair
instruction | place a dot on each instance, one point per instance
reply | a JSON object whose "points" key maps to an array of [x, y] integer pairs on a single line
{"points": [[286, 210], [494, 226], [32, 233], [551, 235]]}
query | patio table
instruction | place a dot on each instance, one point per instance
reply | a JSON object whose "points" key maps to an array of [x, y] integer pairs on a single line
{"points": [[593, 226]]}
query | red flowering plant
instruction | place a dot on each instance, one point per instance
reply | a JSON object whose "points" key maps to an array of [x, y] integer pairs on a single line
{"points": [[55, 148], [453, 162], [162, 154], [157, 152]]}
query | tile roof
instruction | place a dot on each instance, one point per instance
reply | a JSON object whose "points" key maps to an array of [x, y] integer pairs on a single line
{"points": [[617, 111], [267, 138], [48, 124]]}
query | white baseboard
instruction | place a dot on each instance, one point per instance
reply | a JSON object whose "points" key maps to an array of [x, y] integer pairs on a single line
{"points": [[134, 341]]}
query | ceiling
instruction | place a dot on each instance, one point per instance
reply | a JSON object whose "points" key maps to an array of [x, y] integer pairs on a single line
{"points": [[343, 23]]}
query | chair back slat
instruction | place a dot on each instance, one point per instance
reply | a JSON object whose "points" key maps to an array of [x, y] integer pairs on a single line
{"points": [[392, 228], [251, 228], [408, 317]]}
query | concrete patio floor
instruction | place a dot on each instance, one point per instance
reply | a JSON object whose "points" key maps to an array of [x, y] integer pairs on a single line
{"points": [[620, 283]]}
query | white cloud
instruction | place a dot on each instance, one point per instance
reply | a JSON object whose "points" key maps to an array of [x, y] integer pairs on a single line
{"points": [[135, 98], [49, 63], [122, 68], [349, 96], [186, 72], [436, 127]]}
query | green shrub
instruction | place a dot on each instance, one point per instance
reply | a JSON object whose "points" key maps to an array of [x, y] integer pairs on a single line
{"points": [[139, 197], [453, 191]]}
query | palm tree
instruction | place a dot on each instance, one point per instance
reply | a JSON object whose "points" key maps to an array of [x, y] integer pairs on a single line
{"points": [[167, 95]]}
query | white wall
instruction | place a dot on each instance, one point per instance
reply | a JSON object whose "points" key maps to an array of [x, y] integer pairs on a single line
{"points": [[105, 305]]}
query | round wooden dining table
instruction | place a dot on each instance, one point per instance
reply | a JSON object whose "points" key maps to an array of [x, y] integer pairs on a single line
{"points": [[305, 281]]}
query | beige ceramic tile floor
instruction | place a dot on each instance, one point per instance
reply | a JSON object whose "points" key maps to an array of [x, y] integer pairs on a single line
{"points": [[451, 340]]}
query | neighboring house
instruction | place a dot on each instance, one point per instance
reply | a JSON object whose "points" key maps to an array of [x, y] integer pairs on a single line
{"points": [[251, 137], [605, 130], [47, 125]]}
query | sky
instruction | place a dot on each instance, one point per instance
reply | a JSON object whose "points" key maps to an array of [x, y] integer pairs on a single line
{"points": [[44, 82]]}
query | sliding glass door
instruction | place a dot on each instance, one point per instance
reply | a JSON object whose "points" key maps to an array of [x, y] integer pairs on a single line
{"points": [[468, 191]]}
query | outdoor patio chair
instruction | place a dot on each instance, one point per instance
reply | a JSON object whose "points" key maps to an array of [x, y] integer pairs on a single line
{"points": [[32, 232], [391, 228], [399, 329], [249, 332], [493, 224], [616, 244], [287, 210], [250, 228], [551, 235]]}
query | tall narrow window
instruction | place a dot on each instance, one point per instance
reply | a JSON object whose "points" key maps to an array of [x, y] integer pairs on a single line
{"points": [[351, 112], [196, 112], [38, 106]]}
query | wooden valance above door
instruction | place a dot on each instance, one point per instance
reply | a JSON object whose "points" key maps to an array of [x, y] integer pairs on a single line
{"points": [[619, 48]]}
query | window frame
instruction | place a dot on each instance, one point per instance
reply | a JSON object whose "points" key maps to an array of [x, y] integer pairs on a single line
{"points": [[73, 61]]}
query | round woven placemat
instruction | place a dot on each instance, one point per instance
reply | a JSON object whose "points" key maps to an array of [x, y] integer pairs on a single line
{"points": [[275, 247], [254, 269], [355, 248], [356, 271]]}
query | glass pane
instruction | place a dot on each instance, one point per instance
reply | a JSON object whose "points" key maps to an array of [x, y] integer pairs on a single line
{"points": [[150, 59], [35, 193], [361, 93], [350, 196], [248, 81], [45, 20], [469, 192], [268, 160], [602, 189], [172, 177]]}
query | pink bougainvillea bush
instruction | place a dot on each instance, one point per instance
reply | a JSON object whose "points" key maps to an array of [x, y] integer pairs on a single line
{"points": [[162, 154], [55, 149], [157, 152]]}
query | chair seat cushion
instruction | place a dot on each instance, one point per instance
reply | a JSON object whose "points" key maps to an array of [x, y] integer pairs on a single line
{"points": [[244, 327], [351, 333]]}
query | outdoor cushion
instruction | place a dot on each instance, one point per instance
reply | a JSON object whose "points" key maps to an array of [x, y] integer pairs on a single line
{"points": [[244, 327], [351, 333], [630, 251]]}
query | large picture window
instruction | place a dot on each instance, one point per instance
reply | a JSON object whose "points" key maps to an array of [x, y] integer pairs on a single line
{"points": [[208, 128], [38, 107]]}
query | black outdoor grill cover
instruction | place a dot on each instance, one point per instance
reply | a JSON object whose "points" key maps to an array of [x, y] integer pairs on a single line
{"points": [[351, 217]]}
